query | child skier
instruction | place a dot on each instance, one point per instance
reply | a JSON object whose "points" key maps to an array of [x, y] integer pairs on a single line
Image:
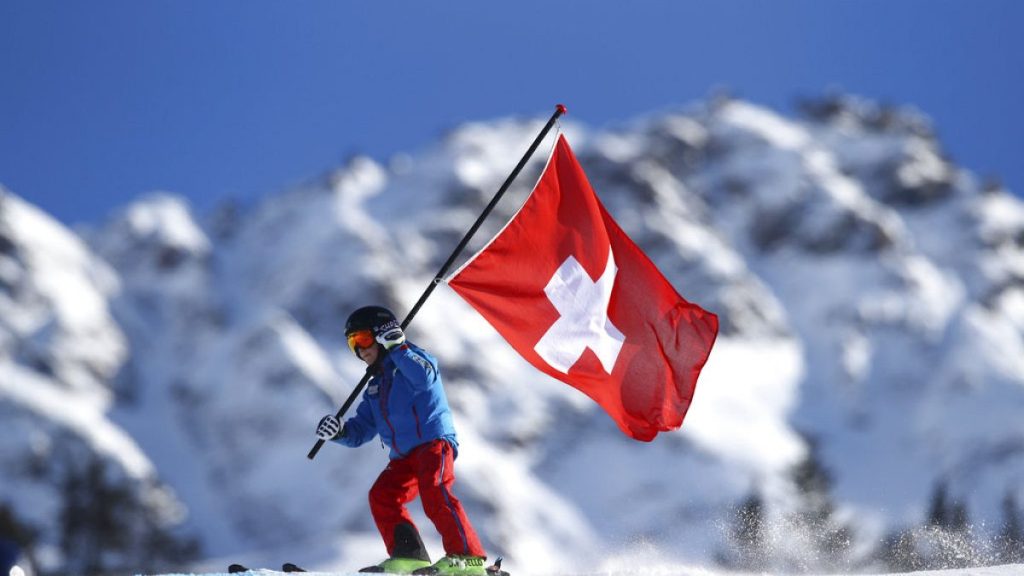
{"points": [[405, 404]]}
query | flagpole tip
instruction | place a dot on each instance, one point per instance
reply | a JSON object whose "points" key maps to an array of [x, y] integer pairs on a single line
{"points": [[561, 109]]}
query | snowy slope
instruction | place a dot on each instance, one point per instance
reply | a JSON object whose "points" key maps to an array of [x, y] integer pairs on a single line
{"points": [[615, 569], [871, 296]]}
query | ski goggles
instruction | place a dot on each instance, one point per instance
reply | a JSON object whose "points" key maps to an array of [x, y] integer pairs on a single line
{"points": [[360, 339]]}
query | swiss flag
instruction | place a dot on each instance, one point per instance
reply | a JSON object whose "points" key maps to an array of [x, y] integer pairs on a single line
{"points": [[579, 300]]}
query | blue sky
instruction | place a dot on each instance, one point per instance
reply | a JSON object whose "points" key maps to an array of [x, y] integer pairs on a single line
{"points": [[102, 101]]}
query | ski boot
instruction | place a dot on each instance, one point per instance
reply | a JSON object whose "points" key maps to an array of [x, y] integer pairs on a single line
{"points": [[409, 553], [455, 565], [397, 565]]}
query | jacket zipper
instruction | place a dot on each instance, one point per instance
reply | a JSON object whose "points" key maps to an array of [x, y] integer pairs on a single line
{"points": [[384, 412], [416, 416]]}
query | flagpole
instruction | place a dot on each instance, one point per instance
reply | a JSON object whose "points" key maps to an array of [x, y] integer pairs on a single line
{"points": [[439, 277]]}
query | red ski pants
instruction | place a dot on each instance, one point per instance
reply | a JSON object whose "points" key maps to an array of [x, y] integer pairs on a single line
{"points": [[428, 471]]}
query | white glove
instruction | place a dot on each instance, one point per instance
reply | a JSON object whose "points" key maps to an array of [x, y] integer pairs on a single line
{"points": [[389, 335], [329, 428]]}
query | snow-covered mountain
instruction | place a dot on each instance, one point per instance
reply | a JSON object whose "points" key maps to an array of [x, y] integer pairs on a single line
{"points": [[870, 364]]}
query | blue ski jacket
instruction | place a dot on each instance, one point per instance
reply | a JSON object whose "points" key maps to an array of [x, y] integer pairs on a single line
{"points": [[404, 403]]}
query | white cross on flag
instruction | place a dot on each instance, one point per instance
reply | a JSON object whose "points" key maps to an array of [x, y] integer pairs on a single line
{"points": [[579, 300]]}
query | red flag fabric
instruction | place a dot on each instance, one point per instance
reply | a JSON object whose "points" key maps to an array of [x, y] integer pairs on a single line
{"points": [[565, 286]]}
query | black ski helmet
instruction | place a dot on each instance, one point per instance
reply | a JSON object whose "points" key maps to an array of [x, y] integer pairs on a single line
{"points": [[368, 318]]}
